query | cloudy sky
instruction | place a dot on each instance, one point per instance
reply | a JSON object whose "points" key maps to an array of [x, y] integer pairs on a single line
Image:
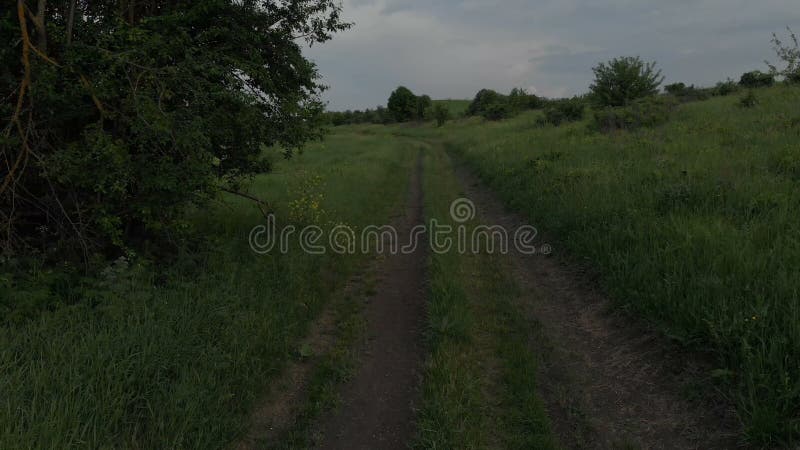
{"points": [[453, 48]]}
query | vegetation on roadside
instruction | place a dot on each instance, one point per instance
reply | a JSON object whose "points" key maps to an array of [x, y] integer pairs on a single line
{"points": [[175, 356], [691, 223]]}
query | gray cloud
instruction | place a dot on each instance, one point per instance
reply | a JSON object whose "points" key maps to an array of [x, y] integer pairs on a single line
{"points": [[453, 48]]}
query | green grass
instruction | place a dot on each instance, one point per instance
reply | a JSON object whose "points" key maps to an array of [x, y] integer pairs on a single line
{"points": [[174, 357], [479, 380], [693, 225], [457, 108]]}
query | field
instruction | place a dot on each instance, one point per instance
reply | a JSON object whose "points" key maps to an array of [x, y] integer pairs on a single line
{"points": [[457, 108], [205, 244], [689, 230], [176, 356]]}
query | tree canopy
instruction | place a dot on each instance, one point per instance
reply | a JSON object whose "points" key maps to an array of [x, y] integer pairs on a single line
{"points": [[403, 104], [623, 80], [120, 114]]}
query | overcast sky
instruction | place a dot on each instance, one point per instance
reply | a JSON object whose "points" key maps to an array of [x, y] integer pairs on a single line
{"points": [[453, 48]]}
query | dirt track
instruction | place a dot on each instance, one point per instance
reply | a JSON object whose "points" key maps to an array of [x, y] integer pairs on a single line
{"points": [[607, 383], [377, 403]]}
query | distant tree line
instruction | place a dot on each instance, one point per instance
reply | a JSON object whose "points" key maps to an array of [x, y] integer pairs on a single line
{"points": [[626, 93], [402, 106]]}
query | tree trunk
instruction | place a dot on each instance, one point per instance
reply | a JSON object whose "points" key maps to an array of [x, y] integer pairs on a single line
{"points": [[70, 21]]}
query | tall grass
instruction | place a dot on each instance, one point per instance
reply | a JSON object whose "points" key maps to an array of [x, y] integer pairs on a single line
{"points": [[174, 357], [479, 386], [694, 226]]}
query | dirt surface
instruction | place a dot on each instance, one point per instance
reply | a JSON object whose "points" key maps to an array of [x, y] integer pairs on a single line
{"points": [[377, 409], [606, 382]]}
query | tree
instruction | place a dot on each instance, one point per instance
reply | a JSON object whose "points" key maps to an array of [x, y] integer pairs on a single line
{"points": [[402, 104], [622, 80], [790, 55], [483, 100], [441, 114], [520, 100], [126, 113], [424, 104], [756, 79]]}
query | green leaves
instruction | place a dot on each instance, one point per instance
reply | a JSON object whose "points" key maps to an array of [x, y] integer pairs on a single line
{"points": [[622, 80], [153, 107], [403, 104]]}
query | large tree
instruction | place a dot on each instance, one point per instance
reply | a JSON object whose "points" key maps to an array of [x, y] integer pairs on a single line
{"points": [[402, 104], [119, 114], [623, 80]]}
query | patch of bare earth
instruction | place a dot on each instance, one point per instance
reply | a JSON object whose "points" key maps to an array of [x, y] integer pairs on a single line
{"points": [[377, 409], [607, 381]]}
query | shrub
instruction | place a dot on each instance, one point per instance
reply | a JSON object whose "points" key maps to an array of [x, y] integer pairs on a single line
{"points": [[725, 88], [676, 89], [483, 100], [749, 100], [646, 112], [520, 100], [497, 111], [424, 104], [441, 114], [567, 110], [622, 80], [688, 93], [756, 79]]}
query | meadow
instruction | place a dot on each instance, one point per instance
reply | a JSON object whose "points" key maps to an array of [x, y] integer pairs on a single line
{"points": [[691, 225], [175, 355]]}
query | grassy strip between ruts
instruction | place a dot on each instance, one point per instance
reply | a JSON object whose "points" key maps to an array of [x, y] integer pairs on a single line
{"points": [[478, 389], [175, 357]]}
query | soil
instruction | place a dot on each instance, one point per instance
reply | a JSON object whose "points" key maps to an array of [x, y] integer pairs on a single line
{"points": [[606, 380], [377, 409]]}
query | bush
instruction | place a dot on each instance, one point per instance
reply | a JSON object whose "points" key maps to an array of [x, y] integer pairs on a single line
{"points": [[645, 112], [688, 93], [483, 100], [441, 114], [756, 79], [676, 89], [623, 80], [724, 88], [567, 110], [749, 100], [520, 100], [497, 111], [424, 105]]}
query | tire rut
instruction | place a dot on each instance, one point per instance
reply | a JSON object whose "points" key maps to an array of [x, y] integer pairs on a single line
{"points": [[377, 409], [606, 382]]}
